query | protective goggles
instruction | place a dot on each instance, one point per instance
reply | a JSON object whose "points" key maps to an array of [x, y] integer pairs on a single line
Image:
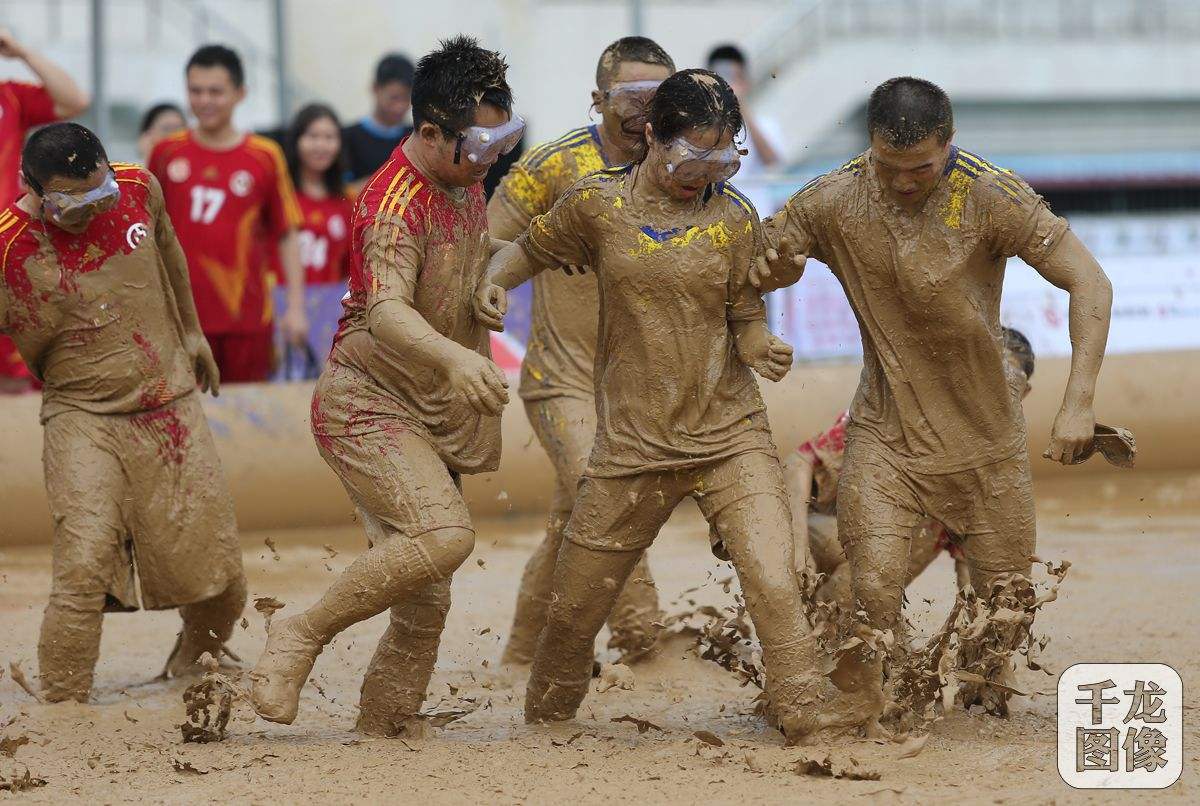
{"points": [[631, 99], [484, 144], [690, 165], [73, 207]]}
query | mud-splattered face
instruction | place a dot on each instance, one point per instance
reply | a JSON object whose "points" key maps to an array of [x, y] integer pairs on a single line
{"points": [[909, 175], [392, 102], [623, 118], [76, 218], [319, 145], [438, 148], [212, 96], [701, 138]]}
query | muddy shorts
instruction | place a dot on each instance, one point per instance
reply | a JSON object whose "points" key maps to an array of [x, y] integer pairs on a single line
{"points": [[141, 488], [625, 513], [396, 477], [989, 509]]}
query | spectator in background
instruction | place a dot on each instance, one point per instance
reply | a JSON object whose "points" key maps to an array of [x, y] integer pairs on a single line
{"points": [[23, 106], [370, 142], [317, 166], [232, 202], [762, 133], [159, 121]]}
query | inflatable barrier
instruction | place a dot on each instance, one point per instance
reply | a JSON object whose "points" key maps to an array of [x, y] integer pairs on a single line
{"points": [[279, 481]]}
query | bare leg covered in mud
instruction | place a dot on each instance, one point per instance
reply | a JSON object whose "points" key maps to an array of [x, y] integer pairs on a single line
{"points": [[381, 578], [880, 509], [565, 427], [613, 522], [207, 625]]}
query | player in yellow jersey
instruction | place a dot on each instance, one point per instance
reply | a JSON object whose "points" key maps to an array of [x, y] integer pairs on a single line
{"points": [[556, 377]]}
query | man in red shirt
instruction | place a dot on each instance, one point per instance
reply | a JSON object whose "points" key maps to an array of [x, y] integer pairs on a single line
{"points": [[410, 398], [232, 202], [94, 290], [23, 106]]}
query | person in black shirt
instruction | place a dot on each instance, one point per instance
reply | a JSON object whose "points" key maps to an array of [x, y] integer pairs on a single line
{"points": [[371, 141]]}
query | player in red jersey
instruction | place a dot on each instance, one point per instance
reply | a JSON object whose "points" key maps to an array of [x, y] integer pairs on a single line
{"points": [[410, 398], [23, 106], [317, 168], [94, 290], [232, 202]]}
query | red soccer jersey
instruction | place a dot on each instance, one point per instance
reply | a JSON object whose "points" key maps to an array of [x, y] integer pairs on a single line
{"points": [[22, 106], [229, 209], [325, 238]]}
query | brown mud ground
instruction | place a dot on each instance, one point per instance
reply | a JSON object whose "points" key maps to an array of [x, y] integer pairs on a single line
{"points": [[1130, 596]]}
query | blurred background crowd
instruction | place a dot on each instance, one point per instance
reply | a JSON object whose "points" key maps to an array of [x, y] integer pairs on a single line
{"points": [[1095, 103]]}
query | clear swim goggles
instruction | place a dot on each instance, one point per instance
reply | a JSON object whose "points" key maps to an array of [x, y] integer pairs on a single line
{"points": [[72, 208], [691, 165], [485, 144], [631, 99]]}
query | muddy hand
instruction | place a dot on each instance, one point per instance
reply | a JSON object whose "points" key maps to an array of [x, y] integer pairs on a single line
{"points": [[491, 303], [777, 267], [779, 359], [1074, 429], [480, 382], [576, 270]]}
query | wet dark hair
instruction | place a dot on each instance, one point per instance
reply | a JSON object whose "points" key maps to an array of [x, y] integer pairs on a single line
{"points": [[453, 80], [906, 110], [629, 49], [153, 113], [219, 56], [334, 177], [694, 98], [61, 149], [1015, 341], [394, 67], [727, 52]]}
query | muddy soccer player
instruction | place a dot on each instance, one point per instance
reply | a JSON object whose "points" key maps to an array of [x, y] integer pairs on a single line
{"points": [[95, 293], [556, 374], [918, 231], [410, 398], [679, 412]]}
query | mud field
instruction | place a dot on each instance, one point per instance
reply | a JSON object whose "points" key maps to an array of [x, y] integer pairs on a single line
{"points": [[1130, 596]]}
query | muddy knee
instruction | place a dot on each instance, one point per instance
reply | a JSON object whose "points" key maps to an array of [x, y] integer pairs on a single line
{"points": [[448, 548]]}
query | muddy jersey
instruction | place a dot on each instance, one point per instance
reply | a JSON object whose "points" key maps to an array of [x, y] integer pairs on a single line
{"points": [[94, 314], [925, 288], [670, 389], [230, 208], [562, 339], [414, 243]]}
